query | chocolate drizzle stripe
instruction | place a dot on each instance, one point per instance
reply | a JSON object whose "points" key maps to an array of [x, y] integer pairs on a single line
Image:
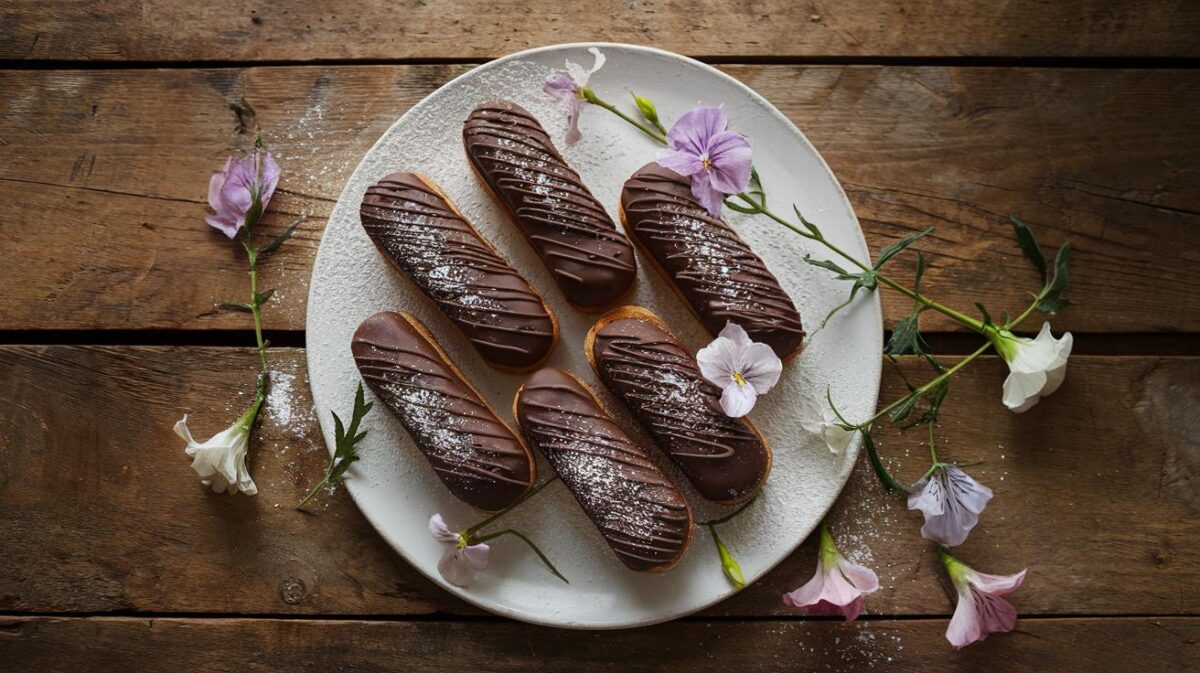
{"points": [[637, 509], [657, 378], [567, 227], [441, 253], [474, 454], [711, 266]]}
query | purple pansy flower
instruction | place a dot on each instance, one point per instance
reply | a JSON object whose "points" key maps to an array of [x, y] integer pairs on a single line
{"points": [[234, 190], [981, 610], [569, 88], [460, 561], [718, 160], [951, 502], [840, 586]]}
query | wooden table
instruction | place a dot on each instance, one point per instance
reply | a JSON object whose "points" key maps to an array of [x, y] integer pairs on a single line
{"points": [[1080, 115]]}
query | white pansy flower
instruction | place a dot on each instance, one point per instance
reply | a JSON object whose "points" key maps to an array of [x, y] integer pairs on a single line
{"points": [[460, 561], [1036, 367], [741, 368], [830, 429], [221, 461]]}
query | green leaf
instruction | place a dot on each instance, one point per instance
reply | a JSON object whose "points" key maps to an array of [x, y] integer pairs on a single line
{"points": [[261, 298], [891, 250], [748, 210], [831, 266], [906, 406], [880, 471], [729, 565], [541, 555], [812, 228], [987, 317], [1052, 300], [282, 237], [906, 336], [756, 188], [235, 306], [344, 440], [1029, 246]]}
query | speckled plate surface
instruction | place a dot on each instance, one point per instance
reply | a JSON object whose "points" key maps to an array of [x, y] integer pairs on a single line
{"points": [[394, 486]]}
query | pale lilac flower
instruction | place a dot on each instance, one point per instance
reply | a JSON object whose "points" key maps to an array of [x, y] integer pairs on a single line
{"points": [[981, 610], [1036, 367], [718, 160], [569, 88], [840, 587], [242, 186], [951, 502], [830, 429], [742, 368], [460, 561], [221, 461]]}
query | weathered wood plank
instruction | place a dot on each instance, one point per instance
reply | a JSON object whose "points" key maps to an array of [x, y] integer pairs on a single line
{"points": [[1096, 488], [51, 645], [138, 30], [104, 173]]}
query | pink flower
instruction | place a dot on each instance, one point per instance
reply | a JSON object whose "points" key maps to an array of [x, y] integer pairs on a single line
{"points": [[951, 502], [839, 587], [461, 561], [242, 187], [741, 368], [717, 160], [569, 89], [981, 610]]}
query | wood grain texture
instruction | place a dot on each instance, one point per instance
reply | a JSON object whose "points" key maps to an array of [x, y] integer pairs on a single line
{"points": [[104, 173], [1097, 493], [53, 645], [242, 30]]}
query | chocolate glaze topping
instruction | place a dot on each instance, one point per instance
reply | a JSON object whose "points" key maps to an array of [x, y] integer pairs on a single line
{"points": [[657, 378], [711, 266], [591, 261], [491, 303], [641, 514], [475, 455]]}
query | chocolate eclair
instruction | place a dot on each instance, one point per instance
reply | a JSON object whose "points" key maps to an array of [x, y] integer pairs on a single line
{"points": [[424, 235], [591, 261], [709, 265], [639, 511], [472, 451], [645, 366]]}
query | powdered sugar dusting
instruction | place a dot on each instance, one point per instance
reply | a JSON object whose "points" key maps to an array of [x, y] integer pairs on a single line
{"points": [[398, 491]]}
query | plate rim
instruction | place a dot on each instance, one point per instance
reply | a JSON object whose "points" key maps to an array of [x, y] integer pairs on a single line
{"points": [[849, 454]]}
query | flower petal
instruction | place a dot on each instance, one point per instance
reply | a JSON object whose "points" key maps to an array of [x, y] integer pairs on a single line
{"points": [[951, 502], [863, 578], [477, 555], [964, 627], [998, 585], [683, 163], [575, 107], [692, 131], [735, 333], [718, 361], [738, 400], [268, 179], [808, 594], [729, 157], [708, 197], [598, 59], [561, 86], [760, 366], [455, 568], [440, 531]]}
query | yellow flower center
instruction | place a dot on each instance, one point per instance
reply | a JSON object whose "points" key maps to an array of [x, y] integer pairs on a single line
{"points": [[739, 379]]}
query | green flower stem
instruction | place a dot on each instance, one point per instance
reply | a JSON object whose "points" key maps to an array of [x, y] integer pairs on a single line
{"points": [[591, 97], [957, 316], [469, 533], [544, 559], [933, 383], [255, 310]]}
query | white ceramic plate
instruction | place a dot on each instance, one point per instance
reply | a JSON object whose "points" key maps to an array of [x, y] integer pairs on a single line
{"points": [[395, 487]]}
